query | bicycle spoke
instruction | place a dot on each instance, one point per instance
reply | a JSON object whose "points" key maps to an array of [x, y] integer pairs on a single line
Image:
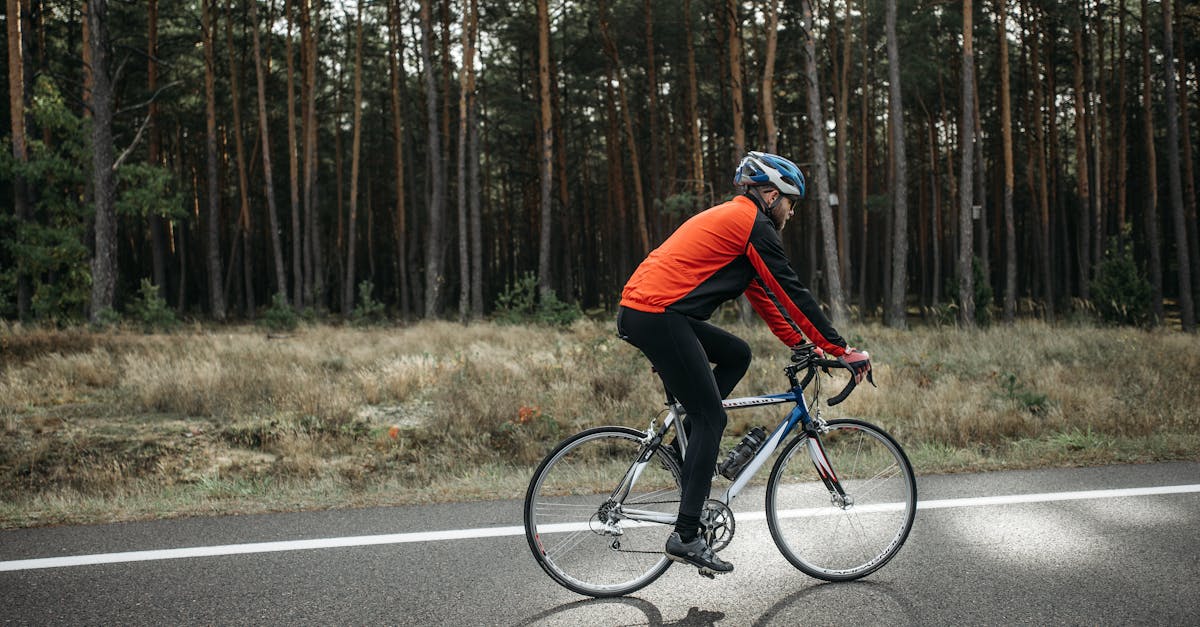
{"points": [[878, 481], [858, 537], [569, 542], [568, 510], [592, 546], [653, 497]]}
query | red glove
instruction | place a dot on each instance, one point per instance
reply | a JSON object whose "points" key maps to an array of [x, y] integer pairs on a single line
{"points": [[860, 363]]}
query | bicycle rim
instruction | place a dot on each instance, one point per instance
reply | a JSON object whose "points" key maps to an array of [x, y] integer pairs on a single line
{"points": [[569, 500], [818, 532]]}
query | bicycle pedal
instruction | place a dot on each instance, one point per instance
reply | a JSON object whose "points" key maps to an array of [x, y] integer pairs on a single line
{"points": [[707, 572]]}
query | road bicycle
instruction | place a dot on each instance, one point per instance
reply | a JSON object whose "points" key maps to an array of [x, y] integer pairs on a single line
{"points": [[840, 499]]}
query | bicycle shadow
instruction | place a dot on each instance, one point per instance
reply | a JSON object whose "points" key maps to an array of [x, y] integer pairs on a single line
{"points": [[827, 603], [591, 612]]}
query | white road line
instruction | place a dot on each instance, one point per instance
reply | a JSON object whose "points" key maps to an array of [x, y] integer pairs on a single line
{"points": [[516, 530]]}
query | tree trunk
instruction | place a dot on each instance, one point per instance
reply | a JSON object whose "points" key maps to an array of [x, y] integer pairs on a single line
{"points": [[1100, 147], [158, 237], [1041, 182], [298, 280], [243, 180], [307, 148], [314, 266], [16, 100], [355, 144], [1151, 217], [896, 304], [631, 140], [1187, 312], [693, 111], [936, 210], [545, 150], [656, 161], [395, 71], [465, 98], [104, 260], [216, 294], [981, 213], [476, 215], [966, 134], [446, 62], [1122, 124], [1010, 234], [768, 79], [927, 212], [837, 302], [1189, 176], [268, 175], [735, 79], [1083, 250], [86, 45], [865, 135], [434, 278], [843, 149]]}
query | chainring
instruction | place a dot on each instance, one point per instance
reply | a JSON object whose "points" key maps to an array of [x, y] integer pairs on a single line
{"points": [[717, 524]]}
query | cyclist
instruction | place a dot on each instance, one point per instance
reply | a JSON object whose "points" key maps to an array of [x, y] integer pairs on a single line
{"points": [[716, 255]]}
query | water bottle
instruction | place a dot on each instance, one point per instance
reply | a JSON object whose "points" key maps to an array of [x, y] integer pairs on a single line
{"points": [[742, 453]]}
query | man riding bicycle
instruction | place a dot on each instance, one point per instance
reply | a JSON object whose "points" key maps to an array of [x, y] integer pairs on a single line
{"points": [[713, 257]]}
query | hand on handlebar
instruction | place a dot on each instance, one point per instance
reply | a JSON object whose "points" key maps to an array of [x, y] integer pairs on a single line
{"points": [[859, 363], [810, 357]]}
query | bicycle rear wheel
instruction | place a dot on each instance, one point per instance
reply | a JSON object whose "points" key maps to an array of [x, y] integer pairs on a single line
{"points": [[590, 532], [840, 536]]}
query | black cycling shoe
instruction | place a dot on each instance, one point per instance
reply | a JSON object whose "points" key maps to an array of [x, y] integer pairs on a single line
{"points": [[697, 554]]}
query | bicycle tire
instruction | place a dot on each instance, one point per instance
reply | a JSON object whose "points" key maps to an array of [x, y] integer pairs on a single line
{"points": [[833, 541], [563, 506]]}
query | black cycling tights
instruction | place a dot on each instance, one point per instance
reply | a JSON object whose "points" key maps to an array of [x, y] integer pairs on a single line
{"points": [[681, 349]]}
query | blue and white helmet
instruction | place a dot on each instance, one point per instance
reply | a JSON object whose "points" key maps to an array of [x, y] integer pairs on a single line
{"points": [[762, 168]]}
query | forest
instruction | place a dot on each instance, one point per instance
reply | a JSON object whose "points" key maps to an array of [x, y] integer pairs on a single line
{"points": [[974, 161]]}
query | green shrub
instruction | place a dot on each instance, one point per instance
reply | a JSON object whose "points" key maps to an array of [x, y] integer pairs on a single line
{"points": [[51, 251], [519, 304], [1120, 294], [1016, 392], [152, 310], [281, 316], [683, 204], [106, 318], [368, 311]]}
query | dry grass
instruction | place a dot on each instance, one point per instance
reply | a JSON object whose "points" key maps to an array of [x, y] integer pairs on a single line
{"points": [[104, 426]]}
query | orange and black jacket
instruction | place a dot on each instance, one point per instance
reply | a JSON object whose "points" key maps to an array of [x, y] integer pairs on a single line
{"points": [[720, 253]]}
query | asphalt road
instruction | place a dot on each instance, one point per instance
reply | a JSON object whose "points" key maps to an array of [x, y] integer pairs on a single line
{"points": [[1101, 559]]}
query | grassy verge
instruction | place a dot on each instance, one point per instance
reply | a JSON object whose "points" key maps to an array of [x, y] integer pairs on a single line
{"points": [[118, 425]]}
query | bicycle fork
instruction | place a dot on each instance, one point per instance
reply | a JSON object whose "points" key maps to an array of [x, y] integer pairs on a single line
{"points": [[825, 470]]}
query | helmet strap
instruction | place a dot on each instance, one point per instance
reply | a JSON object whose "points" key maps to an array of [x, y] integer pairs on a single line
{"points": [[756, 191], [762, 202]]}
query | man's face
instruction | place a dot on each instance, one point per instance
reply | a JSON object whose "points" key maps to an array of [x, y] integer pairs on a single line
{"points": [[783, 210]]}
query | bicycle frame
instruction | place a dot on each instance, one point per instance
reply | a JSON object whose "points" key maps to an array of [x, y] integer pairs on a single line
{"points": [[798, 416]]}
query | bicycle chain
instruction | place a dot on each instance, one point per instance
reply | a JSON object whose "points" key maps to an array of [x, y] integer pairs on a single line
{"points": [[616, 545]]}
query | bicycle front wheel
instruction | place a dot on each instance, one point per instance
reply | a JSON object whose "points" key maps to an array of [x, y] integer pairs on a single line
{"points": [[596, 516], [846, 520]]}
